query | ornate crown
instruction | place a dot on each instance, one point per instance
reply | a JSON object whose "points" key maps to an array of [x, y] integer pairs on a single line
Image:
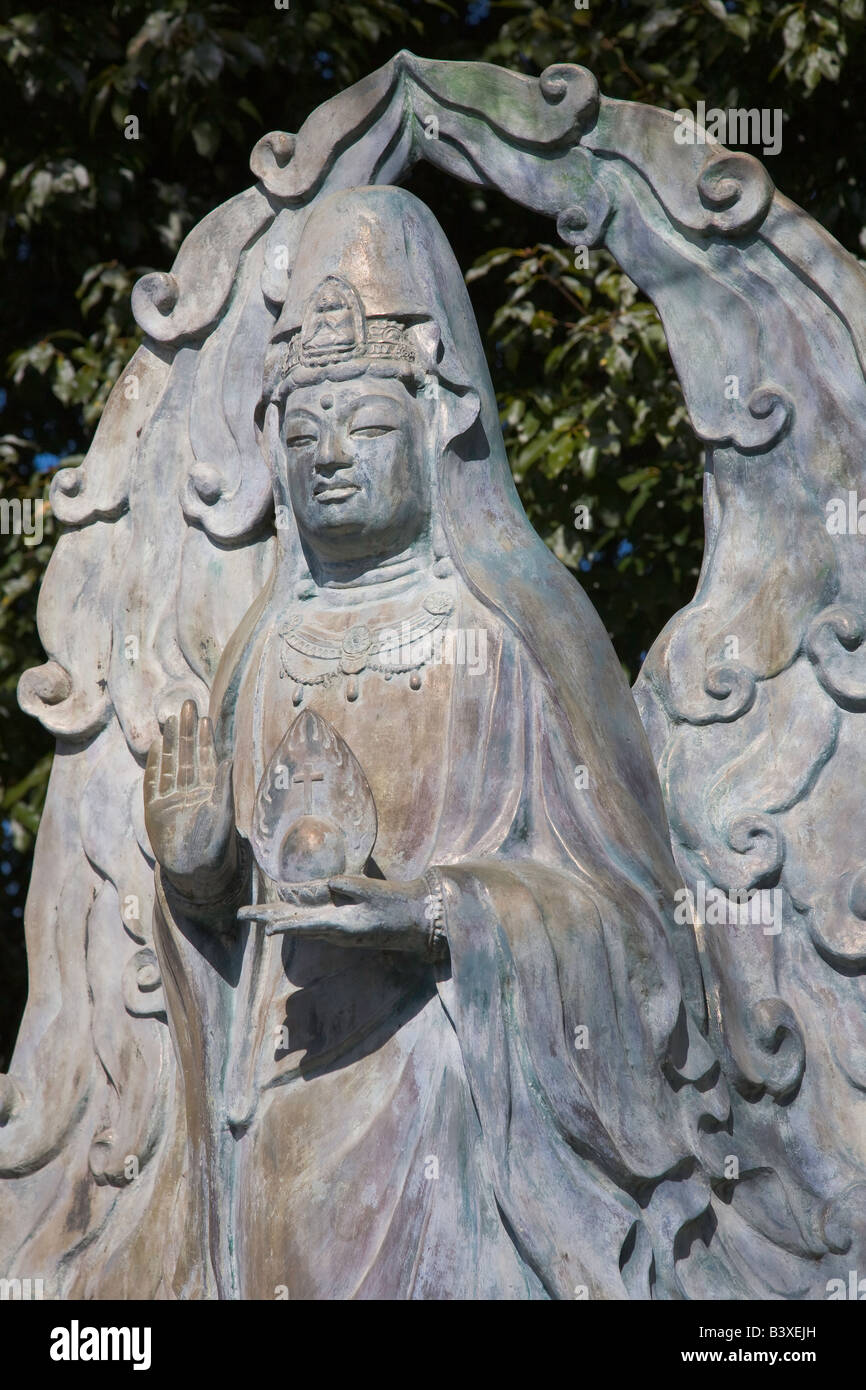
{"points": [[336, 340]]}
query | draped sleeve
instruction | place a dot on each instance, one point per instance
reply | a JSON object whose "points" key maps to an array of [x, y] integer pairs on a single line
{"points": [[596, 1093]]}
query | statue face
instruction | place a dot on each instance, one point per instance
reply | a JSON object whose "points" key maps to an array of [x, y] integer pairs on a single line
{"points": [[357, 478]]}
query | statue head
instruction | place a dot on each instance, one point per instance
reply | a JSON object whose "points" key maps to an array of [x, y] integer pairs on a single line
{"points": [[356, 467], [350, 394], [352, 427]]}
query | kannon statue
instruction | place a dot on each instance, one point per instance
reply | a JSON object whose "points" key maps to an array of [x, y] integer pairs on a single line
{"points": [[367, 937], [436, 1024]]}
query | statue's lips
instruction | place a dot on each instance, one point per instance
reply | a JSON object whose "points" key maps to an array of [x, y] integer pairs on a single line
{"points": [[335, 492]]}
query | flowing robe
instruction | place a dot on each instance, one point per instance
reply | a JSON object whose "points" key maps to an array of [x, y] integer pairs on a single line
{"points": [[520, 1122], [539, 1117]]}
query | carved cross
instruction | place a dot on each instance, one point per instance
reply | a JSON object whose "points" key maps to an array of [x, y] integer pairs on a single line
{"points": [[308, 777]]}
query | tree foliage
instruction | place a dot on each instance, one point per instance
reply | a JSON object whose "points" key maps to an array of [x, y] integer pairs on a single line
{"points": [[124, 125]]}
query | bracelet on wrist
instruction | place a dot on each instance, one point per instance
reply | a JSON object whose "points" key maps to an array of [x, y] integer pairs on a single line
{"points": [[434, 913]]}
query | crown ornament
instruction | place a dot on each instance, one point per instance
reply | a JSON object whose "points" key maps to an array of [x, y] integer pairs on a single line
{"points": [[336, 341]]}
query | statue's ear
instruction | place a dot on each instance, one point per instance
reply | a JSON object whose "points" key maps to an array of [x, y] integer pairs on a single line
{"points": [[426, 340], [274, 448], [274, 368], [460, 408]]}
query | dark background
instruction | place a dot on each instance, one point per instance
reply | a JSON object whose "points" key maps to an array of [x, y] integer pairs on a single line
{"points": [[592, 409]]}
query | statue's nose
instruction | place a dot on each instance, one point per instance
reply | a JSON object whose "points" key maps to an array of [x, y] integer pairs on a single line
{"points": [[334, 453]]}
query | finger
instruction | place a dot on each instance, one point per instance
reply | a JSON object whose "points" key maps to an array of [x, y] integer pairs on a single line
{"points": [[304, 895], [330, 930], [186, 745], [168, 763], [207, 760], [151, 771], [354, 886], [311, 894], [328, 918], [337, 921], [266, 911]]}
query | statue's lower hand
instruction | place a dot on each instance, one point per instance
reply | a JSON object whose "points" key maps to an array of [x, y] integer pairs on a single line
{"points": [[188, 807], [373, 912]]}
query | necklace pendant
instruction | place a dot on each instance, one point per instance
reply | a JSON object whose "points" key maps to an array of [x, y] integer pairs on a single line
{"points": [[297, 696], [415, 680], [352, 689]]}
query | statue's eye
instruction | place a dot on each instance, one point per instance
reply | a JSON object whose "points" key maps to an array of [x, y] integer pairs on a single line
{"points": [[371, 431], [300, 441]]}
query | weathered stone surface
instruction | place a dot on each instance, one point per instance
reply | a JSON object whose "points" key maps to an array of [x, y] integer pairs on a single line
{"points": [[482, 1050]]}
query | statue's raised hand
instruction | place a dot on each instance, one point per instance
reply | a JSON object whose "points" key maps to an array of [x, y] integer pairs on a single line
{"points": [[188, 807]]}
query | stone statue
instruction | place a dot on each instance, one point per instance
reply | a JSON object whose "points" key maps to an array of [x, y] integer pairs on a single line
{"points": [[371, 1152], [363, 942]]}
